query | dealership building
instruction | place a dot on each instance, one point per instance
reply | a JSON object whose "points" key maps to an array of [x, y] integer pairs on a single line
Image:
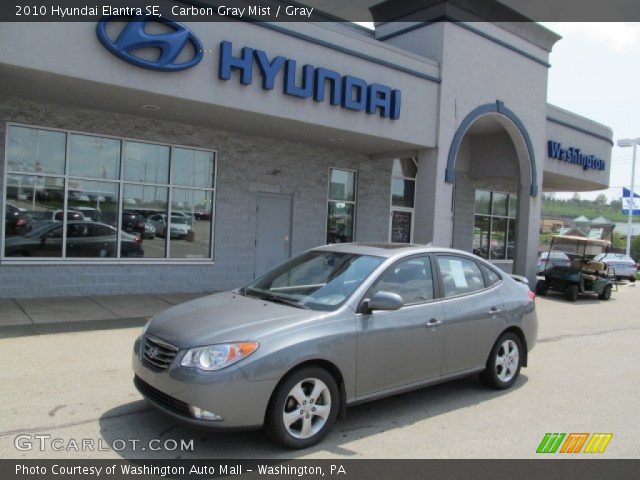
{"points": [[149, 157]]}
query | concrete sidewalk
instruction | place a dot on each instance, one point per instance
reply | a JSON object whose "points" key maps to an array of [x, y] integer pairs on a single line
{"points": [[40, 311]]}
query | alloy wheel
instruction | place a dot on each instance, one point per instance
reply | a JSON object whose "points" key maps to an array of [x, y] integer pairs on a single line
{"points": [[507, 361], [307, 408]]}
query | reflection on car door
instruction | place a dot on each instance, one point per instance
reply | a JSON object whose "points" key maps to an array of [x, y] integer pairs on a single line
{"points": [[472, 313], [405, 346]]}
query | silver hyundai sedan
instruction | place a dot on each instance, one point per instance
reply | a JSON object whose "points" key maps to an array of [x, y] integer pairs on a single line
{"points": [[332, 327]]}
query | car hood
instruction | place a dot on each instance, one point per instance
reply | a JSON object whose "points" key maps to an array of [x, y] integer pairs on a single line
{"points": [[225, 317]]}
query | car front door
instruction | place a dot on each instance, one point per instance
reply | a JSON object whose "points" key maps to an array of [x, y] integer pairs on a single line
{"points": [[401, 347], [473, 312]]}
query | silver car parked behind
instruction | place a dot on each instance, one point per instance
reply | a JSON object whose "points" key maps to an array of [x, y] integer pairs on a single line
{"points": [[334, 326]]}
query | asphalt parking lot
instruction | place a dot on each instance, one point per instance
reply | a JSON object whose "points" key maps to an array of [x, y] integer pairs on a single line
{"points": [[582, 377]]}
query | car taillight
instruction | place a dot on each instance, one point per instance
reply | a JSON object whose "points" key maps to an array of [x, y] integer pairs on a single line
{"points": [[20, 222], [532, 295], [137, 239]]}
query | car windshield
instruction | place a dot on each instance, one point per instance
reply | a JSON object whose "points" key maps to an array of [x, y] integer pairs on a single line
{"points": [[316, 280], [557, 256], [179, 219]]}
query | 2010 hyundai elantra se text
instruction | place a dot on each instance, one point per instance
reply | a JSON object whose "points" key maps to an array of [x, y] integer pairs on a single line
{"points": [[332, 327]]}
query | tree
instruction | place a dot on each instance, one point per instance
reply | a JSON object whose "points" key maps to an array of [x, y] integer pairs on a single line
{"points": [[601, 199], [616, 205], [576, 197]]}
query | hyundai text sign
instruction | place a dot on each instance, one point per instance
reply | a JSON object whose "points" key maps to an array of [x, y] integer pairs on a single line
{"points": [[309, 81], [575, 156]]}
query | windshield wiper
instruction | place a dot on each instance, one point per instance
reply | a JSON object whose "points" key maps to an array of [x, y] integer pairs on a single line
{"points": [[274, 298]]}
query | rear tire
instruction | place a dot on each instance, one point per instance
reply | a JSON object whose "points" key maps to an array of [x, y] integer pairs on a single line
{"points": [[542, 288], [504, 363], [303, 408], [571, 293], [606, 293], [632, 279]]}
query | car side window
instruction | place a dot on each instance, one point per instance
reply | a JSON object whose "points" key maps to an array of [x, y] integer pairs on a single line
{"points": [[79, 230], [459, 275], [490, 277], [410, 278]]}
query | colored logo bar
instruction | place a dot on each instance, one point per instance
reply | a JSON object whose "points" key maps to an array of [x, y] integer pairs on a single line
{"points": [[574, 442]]}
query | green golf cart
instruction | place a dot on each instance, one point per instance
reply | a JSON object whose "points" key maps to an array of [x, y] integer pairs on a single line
{"points": [[583, 276]]}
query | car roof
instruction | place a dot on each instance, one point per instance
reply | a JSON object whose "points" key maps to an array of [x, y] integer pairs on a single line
{"points": [[386, 249]]}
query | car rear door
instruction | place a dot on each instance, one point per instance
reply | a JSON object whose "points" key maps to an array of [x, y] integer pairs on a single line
{"points": [[473, 313], [401, 347]]}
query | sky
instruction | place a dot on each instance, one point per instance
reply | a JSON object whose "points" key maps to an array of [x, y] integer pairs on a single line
{"points": [[595, 72]]}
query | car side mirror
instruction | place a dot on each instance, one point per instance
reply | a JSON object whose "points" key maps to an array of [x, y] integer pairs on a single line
{"points": [[384, 301]]}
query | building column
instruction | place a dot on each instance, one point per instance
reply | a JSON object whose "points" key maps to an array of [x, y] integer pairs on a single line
{"points": [[527, 235], [433, 201]]}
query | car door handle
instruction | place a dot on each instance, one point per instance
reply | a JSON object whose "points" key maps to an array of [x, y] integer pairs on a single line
{"points": [[434, 323], [494, 311]]}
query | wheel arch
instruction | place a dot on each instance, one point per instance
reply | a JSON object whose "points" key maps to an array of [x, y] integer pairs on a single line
{"points": [[330, 367], [520, 334]]}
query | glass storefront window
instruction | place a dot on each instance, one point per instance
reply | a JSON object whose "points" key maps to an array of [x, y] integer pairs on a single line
{"points": [[193, 168], [94, 157], [495, 225], [104, 215], [36, 151], [190, 235], [342, 206], [498, 236], [92, 210], [144, 214], [146, 162], [513, 206], [404, 168], [342, 185], [403, 188], [401, 227], [481, 236], [483, 202], [34, 207], [499, 204], [402, 192], [340, 223]]}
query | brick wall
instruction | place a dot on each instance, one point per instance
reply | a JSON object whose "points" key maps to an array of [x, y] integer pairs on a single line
{"points": [[246, 165]]}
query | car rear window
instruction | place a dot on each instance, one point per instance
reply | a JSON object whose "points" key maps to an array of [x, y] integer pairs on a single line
{"points": [[459, 275]]}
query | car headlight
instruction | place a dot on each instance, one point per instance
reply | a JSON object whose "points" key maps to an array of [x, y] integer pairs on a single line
{"points": [[217, 357]]}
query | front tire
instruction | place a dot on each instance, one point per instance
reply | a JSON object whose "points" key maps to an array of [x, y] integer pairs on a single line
{"points": [[303, 408], [504, 363]]}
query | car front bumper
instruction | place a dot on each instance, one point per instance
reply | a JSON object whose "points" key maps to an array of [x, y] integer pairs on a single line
{"points": [[241, 403]]}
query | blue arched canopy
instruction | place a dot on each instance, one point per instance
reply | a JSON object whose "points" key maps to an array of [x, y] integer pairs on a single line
{"points": [[499, 108]]}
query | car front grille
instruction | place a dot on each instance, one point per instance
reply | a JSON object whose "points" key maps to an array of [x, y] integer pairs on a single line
{"points": [[157, 354], [166, 401]]}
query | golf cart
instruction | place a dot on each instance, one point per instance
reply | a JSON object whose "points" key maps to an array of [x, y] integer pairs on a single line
{"points": [[583, 276]]}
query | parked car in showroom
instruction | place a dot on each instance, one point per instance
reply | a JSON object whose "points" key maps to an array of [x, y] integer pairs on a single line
{"points": [[622, 266], [84, 239], [546, 260], [332, 327]]}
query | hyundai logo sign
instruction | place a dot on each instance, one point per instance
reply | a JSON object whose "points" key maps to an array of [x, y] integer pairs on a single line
{"points": [[310, 81], [171, 44]]}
